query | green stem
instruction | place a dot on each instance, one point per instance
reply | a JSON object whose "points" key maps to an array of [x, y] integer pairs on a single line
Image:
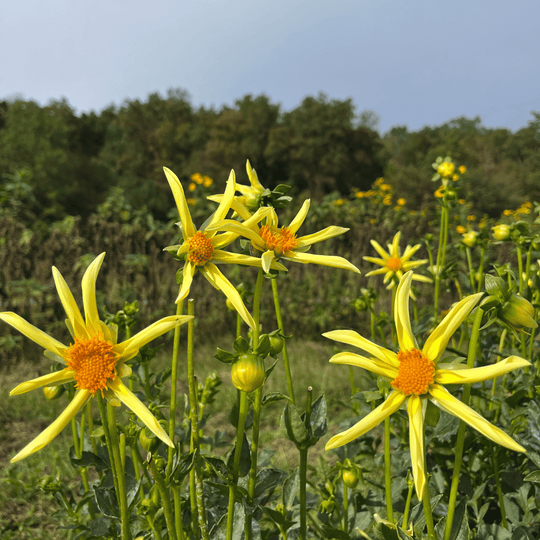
{"points": [[345, 508], [174, 378], [471, 357], [242, 414], [179, 524], [496, 470], [257, 403], [196, 499], [108, 442], [122, 495], [481, 269], [407, 505], [284, 351], [165, 498], [388, 471], [238, 325], [471, 268], [303, 470], [91, 426], [441, 255], [426, 502], [520, 267]]}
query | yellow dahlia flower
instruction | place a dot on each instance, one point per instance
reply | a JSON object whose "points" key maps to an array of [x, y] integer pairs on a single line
{"points": [[201, 248], [282, 243], [94, 361], [416, 376], [393, 264]]}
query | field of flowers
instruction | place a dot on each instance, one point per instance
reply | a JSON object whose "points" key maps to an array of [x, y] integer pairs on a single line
{"points": [[415, 415]]}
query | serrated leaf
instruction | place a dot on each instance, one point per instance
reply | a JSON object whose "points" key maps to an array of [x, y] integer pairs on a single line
{"points": [[273, 397], [331, 532], [267, 479], [291, 487], [106, 502], [219, 467], [294, 425], [318, 417], [219, 530]]}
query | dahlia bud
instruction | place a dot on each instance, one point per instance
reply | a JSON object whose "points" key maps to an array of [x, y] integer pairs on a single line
{"points": [[247, 372], [350, 478], [469, 238], [518, 313], [53, 392]]}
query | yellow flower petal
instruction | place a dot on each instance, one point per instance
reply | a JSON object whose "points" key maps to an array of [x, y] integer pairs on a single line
{"points": [[253, 177], [374, 260], [129, 348], [379, 272], [380, 250], [181, 203], [225, 204], [246, 260], [447, 402], [267, 258], [324, 260], [219, 281], [188, 273], [350, 337], [70, 306], [130, 400], [89, 295], [46, 436], [296, 223], [51, 379], [391, 404], [240, 229], [409, 252], [35, 334], [371, 364], [325, 234], [438, 339], [416, 442], [401, 315], [468, 376], [394, 247]]}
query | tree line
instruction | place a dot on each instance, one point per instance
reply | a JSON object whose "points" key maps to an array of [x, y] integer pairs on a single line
{"points": [[54, 162]]}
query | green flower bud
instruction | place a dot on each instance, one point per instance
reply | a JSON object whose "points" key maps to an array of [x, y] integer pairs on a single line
{"points": [[148, 440], [518, 313], [247, 372], [501, 232], [276, 344], [350, 478], [53, 392], [327, 507]]}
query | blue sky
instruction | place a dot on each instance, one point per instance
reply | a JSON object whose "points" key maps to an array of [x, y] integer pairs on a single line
{"points": [[416, 62]]}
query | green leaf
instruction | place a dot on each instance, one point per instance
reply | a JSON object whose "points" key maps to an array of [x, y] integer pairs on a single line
{"points": [[106, 502], [219, 530], [291, 487], [219, 467], [367, 396], [533, 477], [245, 458], [331, 532], [273, 397], [296, 430], [181, 467], [88, 459], [241, 345], [224, 356], [267, 479], [433, 414], [460, 524], [318, 417]]}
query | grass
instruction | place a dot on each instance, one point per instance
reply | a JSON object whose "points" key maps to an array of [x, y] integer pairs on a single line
{"points": [[26, 511]]}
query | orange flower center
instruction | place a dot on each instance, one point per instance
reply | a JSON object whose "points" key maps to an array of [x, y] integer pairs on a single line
{"points": [[93, 361], [200, 249], [415, 373], [278, 240], [394, 264]]}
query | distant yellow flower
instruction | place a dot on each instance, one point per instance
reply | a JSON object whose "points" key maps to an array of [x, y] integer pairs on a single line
{"points": [[455, 178], [282, 243], [471, 218], [398, 208], [385, 187], [387, 201], [191, 202], [197, 178], [192, 187], [393, 264], [461, 229], [446, 169], [339, 202], [379, 182], [461, 201], [201, 248], [207, 181], [370, 193], [416, 376], [372, 221], [462, 169], [94, 361], [507, 212], [360, 194], [401, 201], [439, 193]]}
